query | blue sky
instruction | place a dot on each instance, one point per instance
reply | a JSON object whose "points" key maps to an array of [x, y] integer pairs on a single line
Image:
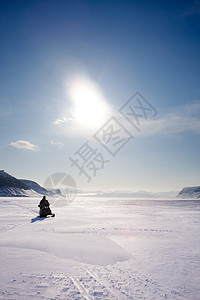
{"points": [[107, 51]]}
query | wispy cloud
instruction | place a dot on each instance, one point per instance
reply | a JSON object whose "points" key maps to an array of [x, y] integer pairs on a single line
{"points": [[63, 120], [57, 143], [183, 119], [20, 144]]}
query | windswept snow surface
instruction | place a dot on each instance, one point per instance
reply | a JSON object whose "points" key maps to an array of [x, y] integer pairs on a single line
{"points": [[100, 248]]}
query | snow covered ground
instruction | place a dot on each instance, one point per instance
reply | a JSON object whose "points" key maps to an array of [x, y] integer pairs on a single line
{"points": [[100, 248]]}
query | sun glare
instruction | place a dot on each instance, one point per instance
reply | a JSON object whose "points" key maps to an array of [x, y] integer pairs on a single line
{"points": [[89, 107]]}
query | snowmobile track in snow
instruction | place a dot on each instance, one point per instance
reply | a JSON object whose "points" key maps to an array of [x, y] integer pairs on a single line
{"points": [[118, 282]]}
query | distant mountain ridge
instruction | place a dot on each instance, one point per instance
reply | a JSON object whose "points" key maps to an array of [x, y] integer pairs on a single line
{"points": [[13, 187], [129, 194], [190, 192]]}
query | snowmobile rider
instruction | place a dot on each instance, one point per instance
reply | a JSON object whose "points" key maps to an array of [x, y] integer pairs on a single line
{"points": [[43, 202]]}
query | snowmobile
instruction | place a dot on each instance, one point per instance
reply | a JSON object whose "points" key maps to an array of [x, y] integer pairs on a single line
{"points": [[46, 211]]}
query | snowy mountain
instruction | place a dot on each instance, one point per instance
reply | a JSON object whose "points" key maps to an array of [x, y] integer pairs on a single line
{"points": [[7, 180], [11, 186], [190, 192], [35, 186], [40, 190]]}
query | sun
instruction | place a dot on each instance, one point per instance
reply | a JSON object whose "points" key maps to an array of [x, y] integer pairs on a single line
{"points": [[89, 106]]}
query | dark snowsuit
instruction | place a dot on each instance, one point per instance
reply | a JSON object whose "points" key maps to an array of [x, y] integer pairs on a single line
{"points": [[44, 208], [43, 202]]}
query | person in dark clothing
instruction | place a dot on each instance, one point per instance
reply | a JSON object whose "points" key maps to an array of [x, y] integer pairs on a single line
{"points": [[44, 208], [43, 202]]}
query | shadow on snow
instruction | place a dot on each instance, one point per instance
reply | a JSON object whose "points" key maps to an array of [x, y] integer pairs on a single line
{"points": [[33, 220]]}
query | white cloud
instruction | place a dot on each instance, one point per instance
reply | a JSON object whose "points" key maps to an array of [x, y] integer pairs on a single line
{"points": [[61, 121], [58, 121], [24, 145], [57, 143]]}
